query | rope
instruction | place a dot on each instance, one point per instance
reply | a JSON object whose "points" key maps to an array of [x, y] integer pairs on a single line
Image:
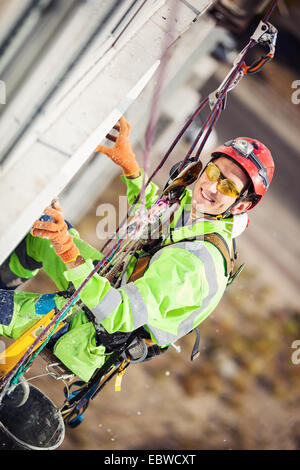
{"points": [[160, 165], [270, 11], [215, 113], [23, 368], [210, 122], [20, 368], [151, 127], [56, 319], [212, 116]]}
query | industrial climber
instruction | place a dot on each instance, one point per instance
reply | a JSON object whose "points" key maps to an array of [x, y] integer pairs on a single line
{"points": [[183, 281]]}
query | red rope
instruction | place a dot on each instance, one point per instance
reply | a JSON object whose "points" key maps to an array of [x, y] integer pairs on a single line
{"points": [[211, 121]]}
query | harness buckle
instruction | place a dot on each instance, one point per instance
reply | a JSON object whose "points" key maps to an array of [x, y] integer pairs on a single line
{"points": [[233, 277]]}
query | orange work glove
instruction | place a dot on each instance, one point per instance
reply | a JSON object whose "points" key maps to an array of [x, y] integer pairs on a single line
{"points": [[121, 153], [57, 233]]}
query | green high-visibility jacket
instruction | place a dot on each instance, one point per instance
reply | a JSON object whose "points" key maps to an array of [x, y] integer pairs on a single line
{"points": [[182, 285]]}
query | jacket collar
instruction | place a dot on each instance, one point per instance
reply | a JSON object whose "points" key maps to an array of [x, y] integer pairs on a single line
{"points": [[179, 231]]}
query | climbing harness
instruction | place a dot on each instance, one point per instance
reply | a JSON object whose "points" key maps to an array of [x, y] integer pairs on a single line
{"points": [[77, 402], [113, 265]]}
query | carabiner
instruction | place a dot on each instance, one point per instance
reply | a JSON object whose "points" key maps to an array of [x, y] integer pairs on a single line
{"points": [[265, 35]]}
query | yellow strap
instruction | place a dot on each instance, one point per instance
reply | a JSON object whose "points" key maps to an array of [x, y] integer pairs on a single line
{"points": [[13, 353], [130, 174], [119, 381], [120, 376], [217, 240], [73, 259]]}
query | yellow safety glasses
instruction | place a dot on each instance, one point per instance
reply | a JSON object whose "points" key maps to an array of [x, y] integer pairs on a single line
{"points": [[225, 185]]}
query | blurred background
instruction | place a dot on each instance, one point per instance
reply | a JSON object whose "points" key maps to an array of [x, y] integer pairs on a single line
{"points": [[69, 69]]}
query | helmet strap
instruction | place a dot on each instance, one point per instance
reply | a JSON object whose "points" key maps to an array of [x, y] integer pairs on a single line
{"points": [[227, 213]]}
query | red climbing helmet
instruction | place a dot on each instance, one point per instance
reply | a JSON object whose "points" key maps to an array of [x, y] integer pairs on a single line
{"points": [[254, 157]]}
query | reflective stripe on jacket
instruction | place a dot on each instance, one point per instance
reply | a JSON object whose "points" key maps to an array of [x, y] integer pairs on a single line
{"points": [[181, 287]]}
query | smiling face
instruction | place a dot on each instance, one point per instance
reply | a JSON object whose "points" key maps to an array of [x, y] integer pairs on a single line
{"points": [[208, 199]]}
